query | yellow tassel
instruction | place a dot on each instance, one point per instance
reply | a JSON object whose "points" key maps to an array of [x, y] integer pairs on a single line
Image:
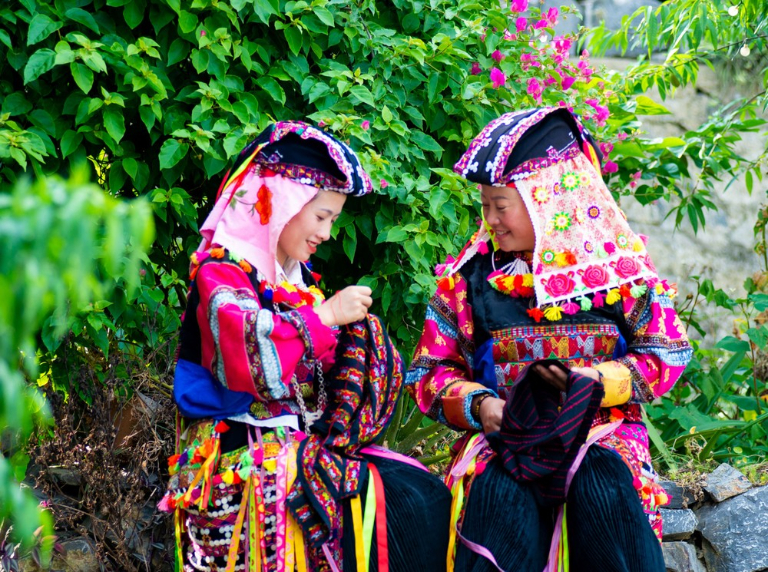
{"points": [[613, 296], [228, 476], [528, 280], [553, 313], [561, 259], [638, 246]]}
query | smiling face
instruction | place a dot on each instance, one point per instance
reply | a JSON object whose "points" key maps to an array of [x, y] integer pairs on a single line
{"points": [[312, 226], [505, 212]]}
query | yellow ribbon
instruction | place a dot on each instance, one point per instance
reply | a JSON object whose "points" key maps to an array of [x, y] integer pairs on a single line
{"points": [[234, 544], [357, 521]]}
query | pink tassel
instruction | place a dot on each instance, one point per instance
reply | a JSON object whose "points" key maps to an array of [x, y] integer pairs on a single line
{"points": [[598, 299], [483, 248], [571, 308]]}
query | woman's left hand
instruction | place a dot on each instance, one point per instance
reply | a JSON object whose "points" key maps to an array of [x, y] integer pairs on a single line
{"points": [[556, 377]]}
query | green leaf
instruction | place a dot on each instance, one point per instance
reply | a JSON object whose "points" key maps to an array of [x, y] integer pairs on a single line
{"points": [[177, 52], [41, 61], [325, 15], [131, 167], [40, 27], [425, 142], [6, 39], [270, 85], [134, 13], [16, 104], [646, 106], [82, 75], [293, 36], [759, 336], [264, 9], [171, 153], [147, 116], [363, 94], [114, 122], [69, 142], [731, 344], [350, 242], [187, 22], [82, 17]]}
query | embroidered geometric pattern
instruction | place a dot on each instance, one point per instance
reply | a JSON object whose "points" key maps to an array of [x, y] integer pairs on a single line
{"points": [[222, 296]]}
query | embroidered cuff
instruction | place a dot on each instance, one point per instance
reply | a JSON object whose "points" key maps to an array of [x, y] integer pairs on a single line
{"points": [[457, 403], [617, 382], [319, 339]]}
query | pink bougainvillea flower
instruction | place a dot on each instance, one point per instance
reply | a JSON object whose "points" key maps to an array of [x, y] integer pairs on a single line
{"points": [[584, 68], [321, 123], [606, 148], [549, 81], [551, 16], [562, 44], [519, 6], [497, 56], [476, 69], [509, 35], [498, 78], [366, 125], [622, 136], [384, 184], [521, 23], [567, 82], [610, 167], [534, 89], [203, 33], [540, 25], [637, 175], [601, 115]]}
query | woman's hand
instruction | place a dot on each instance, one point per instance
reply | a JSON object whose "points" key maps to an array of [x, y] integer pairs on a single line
{"points": [[556, 377], [491, 412], [346, 306]]}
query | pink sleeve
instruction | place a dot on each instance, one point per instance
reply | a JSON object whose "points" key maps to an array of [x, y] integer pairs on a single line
{"points": [[440, 377], [250, 348], [659, 350]]}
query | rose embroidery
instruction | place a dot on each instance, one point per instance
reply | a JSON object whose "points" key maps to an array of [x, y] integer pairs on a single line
{"points": [[263, 204], [559, 285], [594, 276], [626, 267]]}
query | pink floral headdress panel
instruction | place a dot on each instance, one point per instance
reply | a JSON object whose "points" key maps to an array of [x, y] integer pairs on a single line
{"points": [[583, 241]]}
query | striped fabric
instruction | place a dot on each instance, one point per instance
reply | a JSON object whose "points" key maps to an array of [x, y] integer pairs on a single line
{"points": [[541, 431]]}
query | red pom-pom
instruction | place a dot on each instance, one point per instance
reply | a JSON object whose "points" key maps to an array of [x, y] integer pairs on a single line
{"points": [[221, 427], [536, 314]]}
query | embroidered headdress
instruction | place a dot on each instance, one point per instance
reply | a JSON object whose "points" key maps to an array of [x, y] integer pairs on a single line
{"points": [[271, 181], [583, 242]]}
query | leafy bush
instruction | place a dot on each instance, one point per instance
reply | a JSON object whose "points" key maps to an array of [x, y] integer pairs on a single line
{"points": [[61, 242]]}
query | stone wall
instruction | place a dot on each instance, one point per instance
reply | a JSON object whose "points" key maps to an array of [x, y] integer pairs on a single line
{"points": [[720, 528]]}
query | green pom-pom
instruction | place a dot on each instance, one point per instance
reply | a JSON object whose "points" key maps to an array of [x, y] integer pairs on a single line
{"points": [[586, 304], [638, 290]]}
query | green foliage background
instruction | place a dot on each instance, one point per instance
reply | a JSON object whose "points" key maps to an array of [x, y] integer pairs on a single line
{"points": [[159, 96]]}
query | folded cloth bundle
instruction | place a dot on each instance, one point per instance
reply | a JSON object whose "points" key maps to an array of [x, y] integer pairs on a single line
{"points": [[542, 429]]}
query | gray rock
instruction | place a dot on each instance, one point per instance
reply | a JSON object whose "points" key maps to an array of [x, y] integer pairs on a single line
{"points": [[681, 557], [679, 497], [726, 482], [734, 532], [678, 524], [66, 476]]}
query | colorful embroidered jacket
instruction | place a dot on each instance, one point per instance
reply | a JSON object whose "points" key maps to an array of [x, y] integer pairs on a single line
{"points": [[238, 354], [476, 340]]}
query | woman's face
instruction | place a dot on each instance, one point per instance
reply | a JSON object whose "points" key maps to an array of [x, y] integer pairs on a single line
{"points": [[312, 226], [505, 212]]}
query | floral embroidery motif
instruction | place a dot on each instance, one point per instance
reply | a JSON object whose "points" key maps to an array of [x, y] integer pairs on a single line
{"points": [[593, 212], [562, 221], [263, 204], [578, 215], [570, 181], [541, 195], [560, 284], [588, 247], [622, 241], [547, 257]]}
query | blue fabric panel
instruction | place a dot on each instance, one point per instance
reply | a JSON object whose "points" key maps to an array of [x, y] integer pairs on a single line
{"points": [[198, 395], [484, 368], [621, 349]]}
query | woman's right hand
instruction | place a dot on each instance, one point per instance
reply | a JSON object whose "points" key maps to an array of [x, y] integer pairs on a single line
{"points": [[346, 306], [491, 412]]}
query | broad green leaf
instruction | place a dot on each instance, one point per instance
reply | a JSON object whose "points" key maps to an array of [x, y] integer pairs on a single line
{"points": [[363, 94], [5, 37], [41, 61], [178, 51], [114, 122], [646, 106], [187, 22], [171, 153], [16, 104], [293, 37], [69, 142], [131, 167], [82, 75], [82, 17], [40, 27], [324, 14], [134, 13], [731, 344], [273, 88]]}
